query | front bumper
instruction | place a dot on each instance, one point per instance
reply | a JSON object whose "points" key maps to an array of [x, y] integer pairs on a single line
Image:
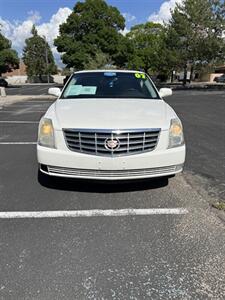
{"points": [[67, 163]]}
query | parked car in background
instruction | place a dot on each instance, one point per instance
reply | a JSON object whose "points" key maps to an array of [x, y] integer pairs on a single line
{"points": [[3, 82], [110, 125], [220, 79]]}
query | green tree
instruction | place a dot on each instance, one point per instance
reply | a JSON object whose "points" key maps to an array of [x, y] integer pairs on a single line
{"points": [[100, 61], [150, 52], [92, 29], [38, 56], [66, 72], [195, 33], [8, 57]]}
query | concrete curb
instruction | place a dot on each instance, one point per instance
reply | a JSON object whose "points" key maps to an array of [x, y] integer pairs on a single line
{"points": [[200, 87]]}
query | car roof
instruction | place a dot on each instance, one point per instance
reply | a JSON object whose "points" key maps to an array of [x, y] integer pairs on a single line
{"points": [[107, 70]]}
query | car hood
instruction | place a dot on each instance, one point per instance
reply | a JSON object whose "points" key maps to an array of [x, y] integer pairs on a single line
{"points": [[111, 113]]}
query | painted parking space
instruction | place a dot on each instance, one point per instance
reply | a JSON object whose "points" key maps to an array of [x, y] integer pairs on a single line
{"points": [[19, 122], [26, 105], [77, 239], [21, 184], [14, 116], [18, 131], [27, 111]]}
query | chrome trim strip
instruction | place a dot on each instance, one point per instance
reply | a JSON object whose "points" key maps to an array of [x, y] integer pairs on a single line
{"points": [[116, 131], [114, 173]]}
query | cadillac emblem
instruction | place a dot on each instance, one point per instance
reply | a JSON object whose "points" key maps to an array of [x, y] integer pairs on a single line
{"points": [[112, 144]]}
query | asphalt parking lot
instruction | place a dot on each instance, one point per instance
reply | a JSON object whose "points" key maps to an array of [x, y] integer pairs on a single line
{"points": [[175, 250]]}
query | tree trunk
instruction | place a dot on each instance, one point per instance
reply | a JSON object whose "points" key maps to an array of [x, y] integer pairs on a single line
{"points": [[185, 75], [172, 77], [192, 73], [40, 78]]}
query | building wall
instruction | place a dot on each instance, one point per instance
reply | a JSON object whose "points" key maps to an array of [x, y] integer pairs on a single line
{"points": [[207, 77], [23, 79], [18, 72]]}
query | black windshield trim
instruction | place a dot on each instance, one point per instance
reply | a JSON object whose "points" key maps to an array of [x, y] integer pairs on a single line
{"points": [[105, 97], [110, 96]]}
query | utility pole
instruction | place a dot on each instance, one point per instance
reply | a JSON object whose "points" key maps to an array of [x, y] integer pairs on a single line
{"points": [[46, 57]]}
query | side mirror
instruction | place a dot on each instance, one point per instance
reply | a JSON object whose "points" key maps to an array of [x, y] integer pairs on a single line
{"points": [[165, 92], [54, 91]]}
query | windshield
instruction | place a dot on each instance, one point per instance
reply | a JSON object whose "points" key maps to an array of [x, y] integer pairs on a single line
{"points": [[110, 85]]}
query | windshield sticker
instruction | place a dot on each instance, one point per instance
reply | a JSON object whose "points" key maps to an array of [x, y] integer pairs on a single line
{"points": [[88, 90], [110, 74], [73, 90], [140, 75]]}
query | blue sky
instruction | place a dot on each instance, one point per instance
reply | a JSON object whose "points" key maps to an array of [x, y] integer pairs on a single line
{"points": [[17, 9], [18, 16]]}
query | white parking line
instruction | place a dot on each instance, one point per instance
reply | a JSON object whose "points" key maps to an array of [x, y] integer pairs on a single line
{"points": [[93, 213], [27, 111], [22, 111], [20, 122], [18, 143], [42, 89], [25, 105]]}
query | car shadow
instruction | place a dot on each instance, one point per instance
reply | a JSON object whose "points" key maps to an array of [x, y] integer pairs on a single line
{"points": [[100, 186]]}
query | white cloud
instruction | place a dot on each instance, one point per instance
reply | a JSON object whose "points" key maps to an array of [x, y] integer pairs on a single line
{"points": [[125, 31], [164, 13], [51, 29], [17, 32], [6, 27], [34, 16], [129, 17]]}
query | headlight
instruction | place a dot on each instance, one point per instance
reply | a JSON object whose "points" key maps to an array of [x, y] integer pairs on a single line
{"points": [[176, 136], [46, 133]]}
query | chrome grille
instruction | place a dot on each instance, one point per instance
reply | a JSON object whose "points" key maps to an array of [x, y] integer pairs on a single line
{"points": [[95, 141], [52, 170]]}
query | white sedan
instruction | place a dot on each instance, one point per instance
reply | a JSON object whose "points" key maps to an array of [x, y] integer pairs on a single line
{"points": [[110, 125]]}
